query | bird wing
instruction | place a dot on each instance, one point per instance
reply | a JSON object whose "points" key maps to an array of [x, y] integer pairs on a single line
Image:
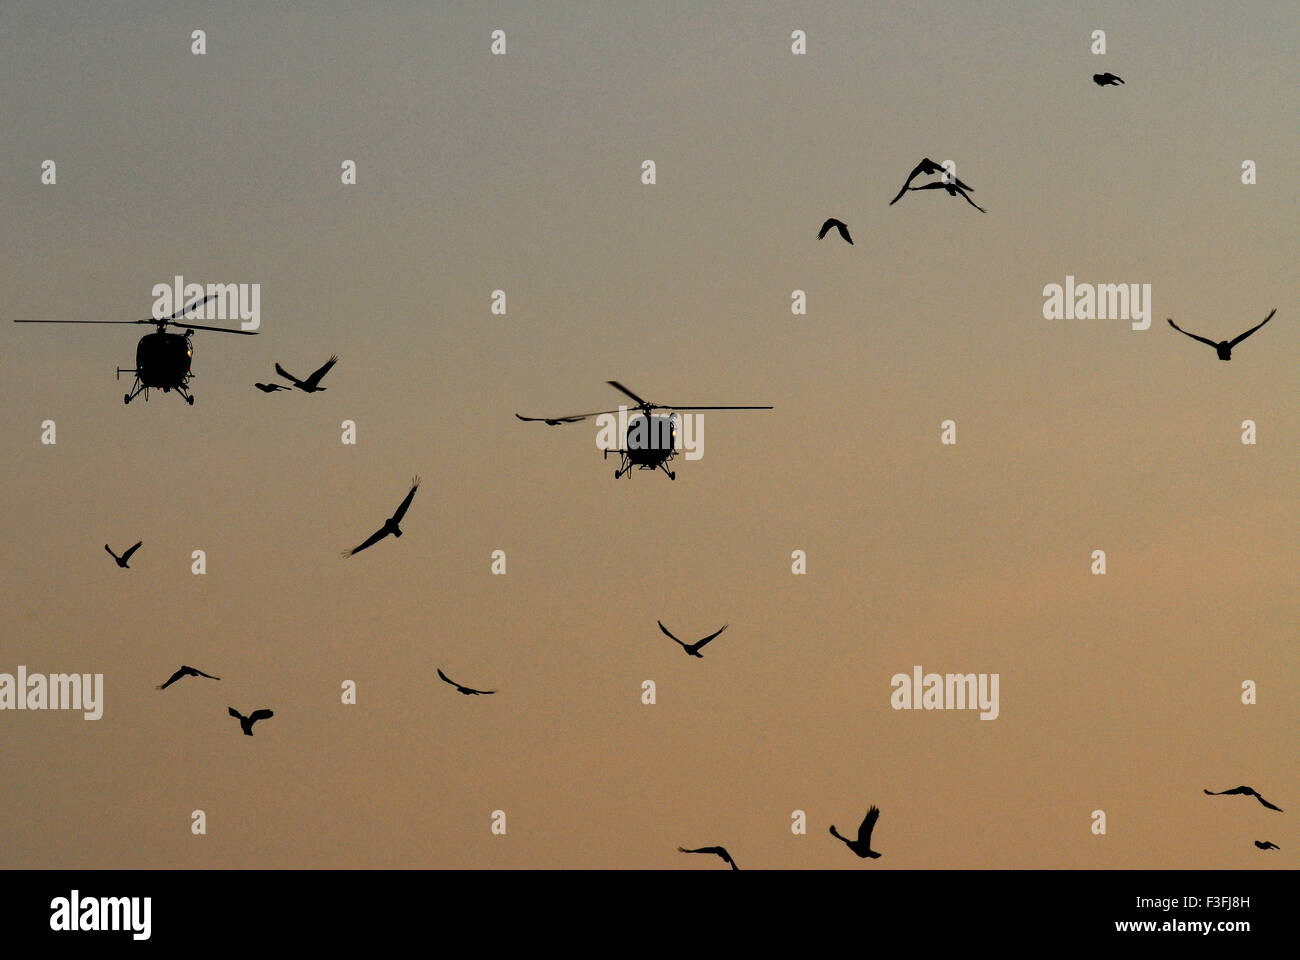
{"points": [[938, 185], [127, 555], [1267, 804], [111, 553], [173, 678], [1192, 335], [901, 190], [370, 542], [315, 378], [844, 231], [401, 509], [202, 674], [262, 714], [667, 632], [448, 679], [868, 824], [1233, 343], [826, 227], [701, 643], [925, 166], [235, 713], [287, 375], [970, 201]]}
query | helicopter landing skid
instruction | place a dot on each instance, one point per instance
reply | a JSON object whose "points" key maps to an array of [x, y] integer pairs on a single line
{"points": [[625, 465], [137, 389]]}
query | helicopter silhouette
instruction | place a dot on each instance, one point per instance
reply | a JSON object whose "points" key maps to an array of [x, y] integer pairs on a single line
{"points": [[162, 359], [651, 437]]}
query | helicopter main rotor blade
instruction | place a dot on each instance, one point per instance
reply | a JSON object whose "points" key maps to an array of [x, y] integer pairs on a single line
{"points": [[199, 326], [184, 310], [83, 321], [572, 418], [618, 386], [674, 407]]}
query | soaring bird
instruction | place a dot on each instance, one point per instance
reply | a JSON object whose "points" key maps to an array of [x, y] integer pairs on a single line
{"points": [[468, 691], [926, 166], [1106, 80], [186, 672], [1245, 791], [716, 851], [551, 421], [862, 845], [839, 225], [1224, 347], [1267, 845], [271, 387], [121, 561], [390, 525], [310, 384], [956, 188], [246, 722], [692, 648]]}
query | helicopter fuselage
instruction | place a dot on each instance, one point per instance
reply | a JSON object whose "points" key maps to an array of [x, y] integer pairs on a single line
{"points": [[651, 444], [162, 360]]}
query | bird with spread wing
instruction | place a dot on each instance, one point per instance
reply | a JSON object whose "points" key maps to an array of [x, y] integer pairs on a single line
{"points": [[839, 225], [927, 167], [1245, 792], [862, 845], [121, 561], [390, 525], [312, 383], [468, 691], [692, 648], [185, 671], [716, 851], [246, 722], [1224, 347]]}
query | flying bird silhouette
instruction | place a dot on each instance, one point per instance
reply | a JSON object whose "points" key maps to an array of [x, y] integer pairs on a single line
{"points": [[1224, 347], [692, 648], [1244, 791], [954, 189], [862, 845], [926, 166], [246, 722], [185, 671], [271, 387], [1267, 845], [1106, 80], [716, 851], [310, 385], [390, 525], [552, 421], [468, 691], [121, 561], [839, 225]]}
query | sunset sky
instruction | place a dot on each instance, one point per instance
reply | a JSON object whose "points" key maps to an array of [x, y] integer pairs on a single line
{"points": [[522, 172]]}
